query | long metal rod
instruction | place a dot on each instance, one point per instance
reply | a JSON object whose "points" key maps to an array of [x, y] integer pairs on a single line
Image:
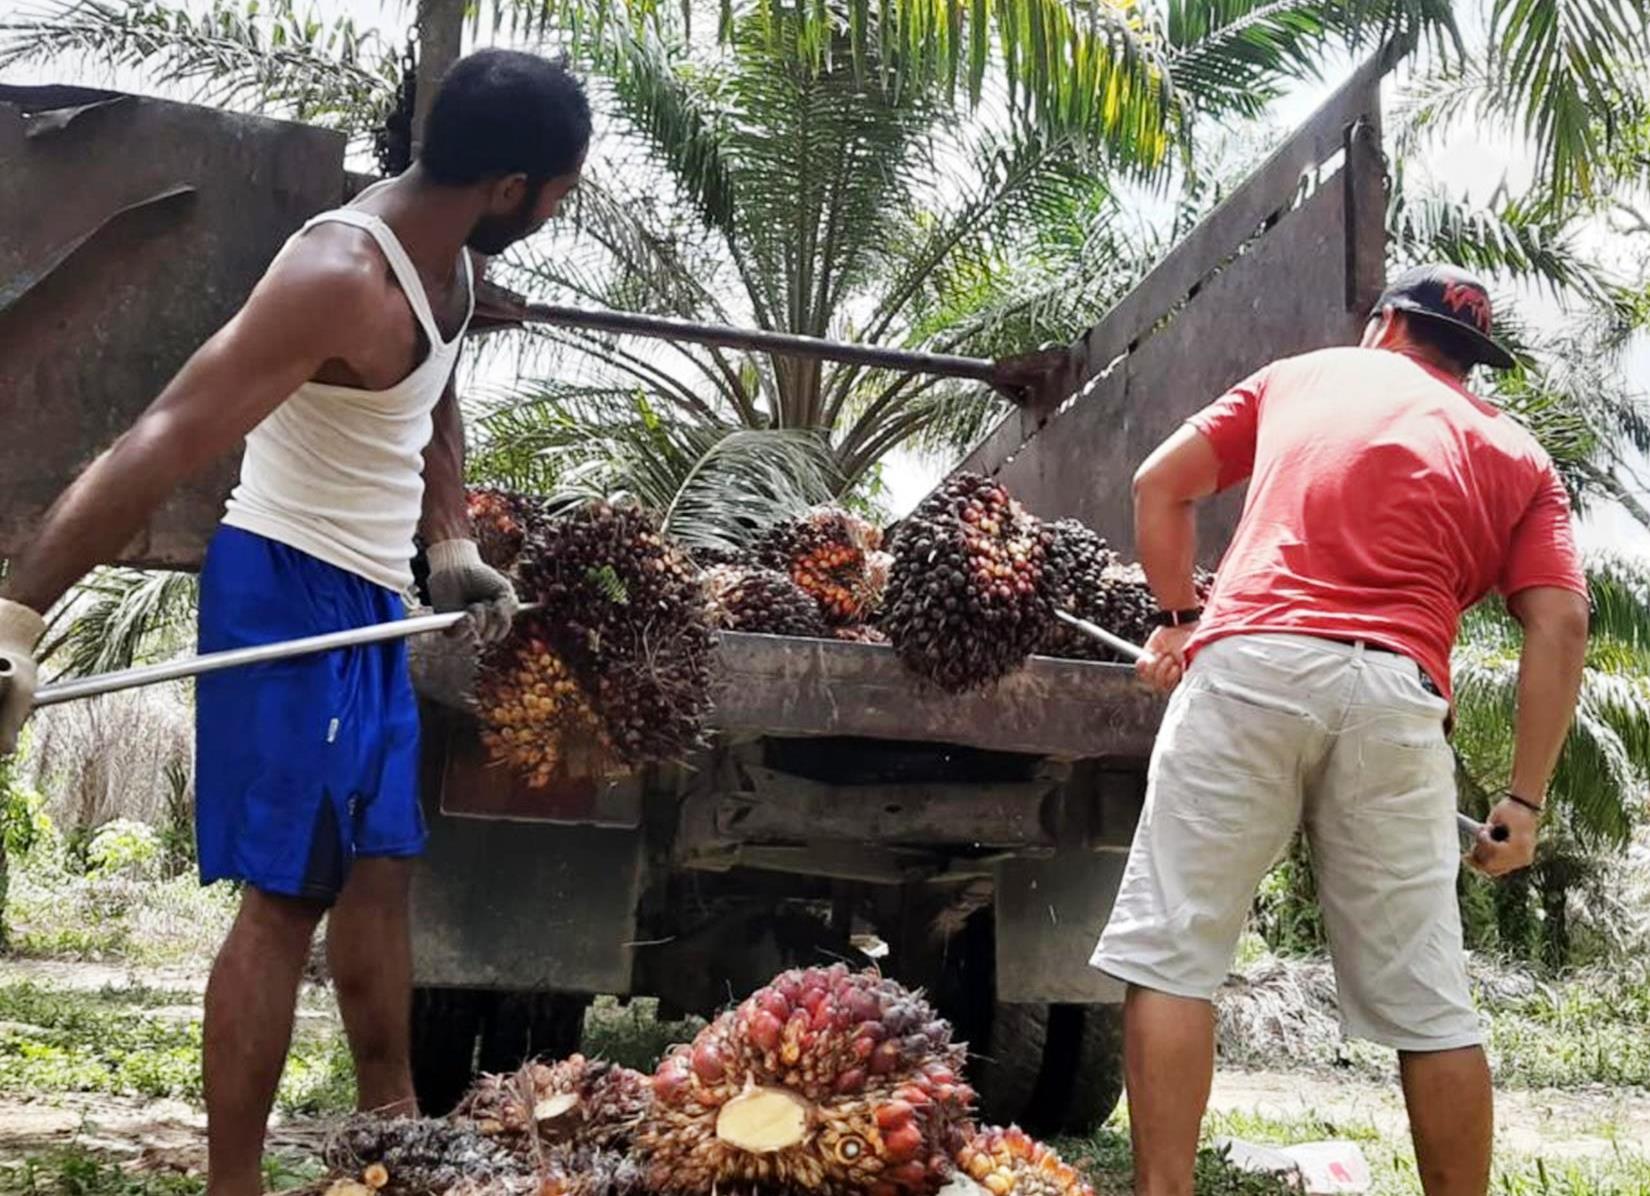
{"points": [[212, 662], [1115, 642], [947, 365]]}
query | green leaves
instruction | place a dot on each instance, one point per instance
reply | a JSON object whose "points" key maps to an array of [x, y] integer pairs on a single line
{"points": [[1565, 71], [1598, 786], [119, 617], [716, 485], [246, 55]]}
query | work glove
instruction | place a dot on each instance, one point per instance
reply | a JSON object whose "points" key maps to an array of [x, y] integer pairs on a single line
{"points": [[20, 630], [461, 580]]}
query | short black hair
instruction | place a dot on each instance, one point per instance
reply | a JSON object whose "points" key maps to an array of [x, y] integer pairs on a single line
{"points": [[1446, 340], [502, 112]]}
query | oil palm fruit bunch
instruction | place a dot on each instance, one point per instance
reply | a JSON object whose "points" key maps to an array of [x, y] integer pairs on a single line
{"points": [[590, 1103], [409, 1156], [764, 601], [533, 710], [1123, 603], [825, 551], [826, 1081], [1079, 558], [623, 608], [1012, 1163], [970, 596], [501, 519]]}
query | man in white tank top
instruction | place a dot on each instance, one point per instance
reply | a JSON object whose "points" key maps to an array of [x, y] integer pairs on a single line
{"points": [[337, 373]]}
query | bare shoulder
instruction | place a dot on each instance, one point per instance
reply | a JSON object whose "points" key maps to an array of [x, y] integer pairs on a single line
{"points": [[336, 262]]}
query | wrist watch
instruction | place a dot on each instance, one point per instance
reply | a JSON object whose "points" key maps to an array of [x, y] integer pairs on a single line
{"points": [[1176, 618]]}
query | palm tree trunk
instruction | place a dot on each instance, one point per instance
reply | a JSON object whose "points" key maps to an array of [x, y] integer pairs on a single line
{"points": [[440, 41]]}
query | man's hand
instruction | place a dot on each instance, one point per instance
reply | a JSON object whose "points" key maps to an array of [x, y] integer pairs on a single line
{"points": [[460, 580], [1517, 850], [20, 630], [1164, 662]]}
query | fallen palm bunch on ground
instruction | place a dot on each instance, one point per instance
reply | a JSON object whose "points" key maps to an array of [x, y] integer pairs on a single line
{"points": [[826, 1082]]}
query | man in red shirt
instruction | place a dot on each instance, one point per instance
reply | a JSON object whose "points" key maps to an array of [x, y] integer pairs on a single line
{"points": [[1313, 691]]}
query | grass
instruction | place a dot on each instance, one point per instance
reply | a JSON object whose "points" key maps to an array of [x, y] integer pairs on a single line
{"points": [[1105, 1160], [631, 1035], [78, 1171], [113, 1042], [51, 914], [1592, 1029], [1392, 1160]]}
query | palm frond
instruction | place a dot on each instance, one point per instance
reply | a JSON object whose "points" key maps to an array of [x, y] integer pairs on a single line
{"points": [[1235, 56], [1599, 784], [1509, 239], [240, 54], [119, 617], [1566, 70], [715, 484]]}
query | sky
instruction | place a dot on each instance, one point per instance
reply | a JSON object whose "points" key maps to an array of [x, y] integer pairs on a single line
{"points": [[1472, 161]]}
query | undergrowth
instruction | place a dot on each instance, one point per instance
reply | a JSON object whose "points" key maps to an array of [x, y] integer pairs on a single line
{"points": [[116, 1042]]}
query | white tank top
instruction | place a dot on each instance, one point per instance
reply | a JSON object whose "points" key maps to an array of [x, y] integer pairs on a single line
{"points": [[338, 472]]}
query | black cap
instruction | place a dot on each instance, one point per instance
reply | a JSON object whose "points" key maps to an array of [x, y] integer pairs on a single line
{"points": [[1452, 296]]}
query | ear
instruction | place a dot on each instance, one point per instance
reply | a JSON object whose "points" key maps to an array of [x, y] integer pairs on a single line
{"points": [[505, 194], [1380, 328]]}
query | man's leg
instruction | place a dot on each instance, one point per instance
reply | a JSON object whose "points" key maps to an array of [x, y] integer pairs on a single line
{"points": [[1451, 1118], [1386, 855], [249, 1007], [1168, 1064], [370, 955]]}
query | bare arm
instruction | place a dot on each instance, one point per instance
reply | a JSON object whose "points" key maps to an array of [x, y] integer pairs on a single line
{"points": [[1167, 487], [446, 515], [287, 329], [1549, 678]]}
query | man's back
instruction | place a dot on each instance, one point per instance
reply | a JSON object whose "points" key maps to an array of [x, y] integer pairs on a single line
{"points": [[1384, 499]]}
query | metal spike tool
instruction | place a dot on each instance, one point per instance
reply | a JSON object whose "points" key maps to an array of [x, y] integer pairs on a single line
{"points": [[1468, 827], [212, 662]]}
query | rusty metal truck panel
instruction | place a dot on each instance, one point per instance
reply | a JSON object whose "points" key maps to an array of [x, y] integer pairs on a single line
{"points": [[130, 230], [1290, 261], [770, 685]]}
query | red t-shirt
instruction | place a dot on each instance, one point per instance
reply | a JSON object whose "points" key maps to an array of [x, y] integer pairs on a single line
{"points": [[1384, 500]]}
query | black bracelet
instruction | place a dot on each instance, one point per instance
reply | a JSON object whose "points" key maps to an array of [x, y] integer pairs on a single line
{"points": [[1176, 618], [1531, 806]]}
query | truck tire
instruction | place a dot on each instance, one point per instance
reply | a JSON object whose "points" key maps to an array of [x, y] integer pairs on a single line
{"points": [[1052, 1069], [517, 1027], [445, 1025], [458, 1032]]}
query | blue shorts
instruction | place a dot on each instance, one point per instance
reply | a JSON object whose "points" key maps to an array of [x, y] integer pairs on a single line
{"points": [[304, 765]]}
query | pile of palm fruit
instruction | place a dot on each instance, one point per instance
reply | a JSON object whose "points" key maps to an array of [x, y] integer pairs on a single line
{"points": [[826, 1082]]}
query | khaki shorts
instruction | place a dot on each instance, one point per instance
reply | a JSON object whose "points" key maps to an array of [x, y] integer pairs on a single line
{"points": [[1270, 732]]}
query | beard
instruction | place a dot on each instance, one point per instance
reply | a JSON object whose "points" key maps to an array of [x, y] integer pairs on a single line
{"points": [[492, 235]]}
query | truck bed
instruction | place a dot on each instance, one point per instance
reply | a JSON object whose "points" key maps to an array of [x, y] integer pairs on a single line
{"points": [[783, 686]]}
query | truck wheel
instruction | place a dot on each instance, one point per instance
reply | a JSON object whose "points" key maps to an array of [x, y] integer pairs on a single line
{"points": [[517, 1027], [445, 1023], [1053, 1069]]}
